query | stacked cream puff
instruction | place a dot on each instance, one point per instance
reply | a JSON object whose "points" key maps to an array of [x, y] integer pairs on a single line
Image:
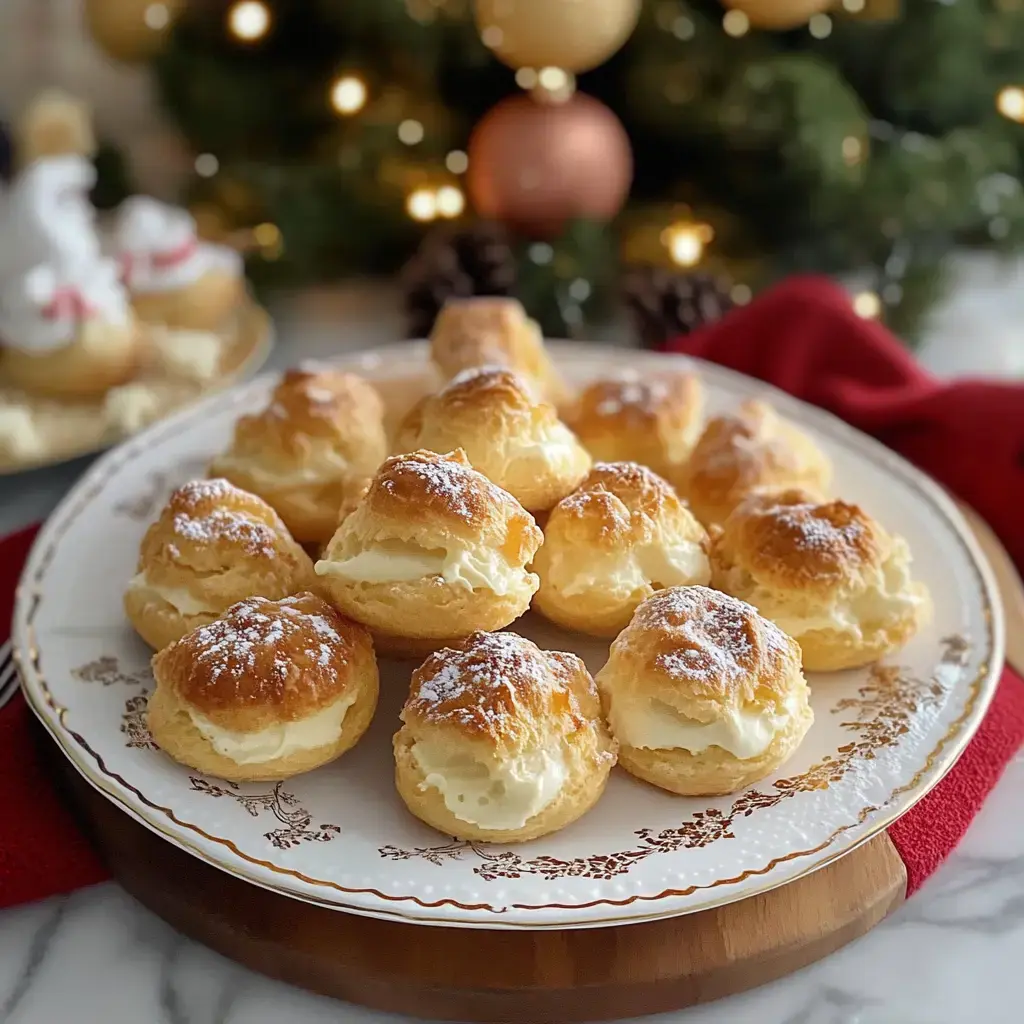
{"points": [[708, 552]]}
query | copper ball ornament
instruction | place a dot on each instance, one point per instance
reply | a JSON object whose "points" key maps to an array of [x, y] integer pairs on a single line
{"points": [[131, 31], [778, 15], [533, 165], [574, 35]]}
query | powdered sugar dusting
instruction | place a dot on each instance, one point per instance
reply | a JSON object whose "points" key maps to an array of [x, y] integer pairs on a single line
{"points": [[489, 374], [452, 483], [486, 684], [630, 396], [811, 528], [204, 512], [719, 638], [259, 644]]}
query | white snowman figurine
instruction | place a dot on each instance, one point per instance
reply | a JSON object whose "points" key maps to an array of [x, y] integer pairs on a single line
{"points": [[66, 323], [174, 277]]}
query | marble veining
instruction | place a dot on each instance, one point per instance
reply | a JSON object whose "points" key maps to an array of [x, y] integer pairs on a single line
{"points": [[951, 955]]}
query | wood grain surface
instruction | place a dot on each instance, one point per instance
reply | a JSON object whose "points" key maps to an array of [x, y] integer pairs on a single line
{"points": [[514, 976]]}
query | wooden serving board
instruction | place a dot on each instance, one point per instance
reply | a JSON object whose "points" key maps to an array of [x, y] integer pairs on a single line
{"points": [[521, 977]]}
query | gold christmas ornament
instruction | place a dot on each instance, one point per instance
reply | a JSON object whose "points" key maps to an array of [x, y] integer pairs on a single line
{"points": [[574, 35], [131, 31], [778, 15]]}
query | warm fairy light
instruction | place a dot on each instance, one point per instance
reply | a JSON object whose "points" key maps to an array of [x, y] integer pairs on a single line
{"points": [[552, 79], [348, 94], [853, 150], [854, 6], [266, 235], [422, 204], [206, 165], [736, 23], [526, 78], [410, 132], [867, 305], [249, 20], [156, 17], [450, 201], [686, 242], [820, 26], [492, 37], [554, 85], [1010, 103], [457, 162]]}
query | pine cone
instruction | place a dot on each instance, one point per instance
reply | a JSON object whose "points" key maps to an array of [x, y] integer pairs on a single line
{"points": [[477, 260], [666, 304]]}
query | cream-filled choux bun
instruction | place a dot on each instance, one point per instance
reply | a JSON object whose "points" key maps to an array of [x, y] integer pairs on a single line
{"points": [[827, 573], [432, 552], [515, 439], [703, 694], [316, 443], [751, 449], [654, 420], [212, 545], [501, 741], [486, 331], [623, 535], [268, 690]]}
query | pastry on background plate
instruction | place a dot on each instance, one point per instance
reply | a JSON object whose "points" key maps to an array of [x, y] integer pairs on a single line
{"points": [[653, 420], [828, 574], [269, 690], [515, 439], [175, 278], [212, 545], [501, 741], [486, 331], [314, 445], [431, 553], [703, 694], [623, 535], [751, 449]]}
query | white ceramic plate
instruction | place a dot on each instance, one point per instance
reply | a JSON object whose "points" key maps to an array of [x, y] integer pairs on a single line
{"points": [[340, 836]]}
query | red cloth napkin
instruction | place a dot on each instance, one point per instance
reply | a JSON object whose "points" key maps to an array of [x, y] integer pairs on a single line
{"points": [[803, 337]]}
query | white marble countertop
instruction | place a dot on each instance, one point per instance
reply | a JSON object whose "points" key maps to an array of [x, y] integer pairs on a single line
{"points": [[951, 955]]}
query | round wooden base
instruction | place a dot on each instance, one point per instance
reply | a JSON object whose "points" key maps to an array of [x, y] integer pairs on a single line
{"points": [[507, 976]]}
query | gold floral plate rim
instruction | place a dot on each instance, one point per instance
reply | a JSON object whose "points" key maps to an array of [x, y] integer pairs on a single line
{"points": [[937, 763], [257, 327]]}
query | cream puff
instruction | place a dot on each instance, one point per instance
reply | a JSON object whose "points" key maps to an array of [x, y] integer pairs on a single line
{"points": [[316, 443], [432, 552], [501, 741], [826, 573], [174, 277], [269, 690], [654, 420], [703, 694], [67, 335], [485, 331], [212, 545], [751, 449], [513, 438], [623, 535]]}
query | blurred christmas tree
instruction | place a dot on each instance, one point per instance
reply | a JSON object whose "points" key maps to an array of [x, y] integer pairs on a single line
{"points": [[760, 137]]}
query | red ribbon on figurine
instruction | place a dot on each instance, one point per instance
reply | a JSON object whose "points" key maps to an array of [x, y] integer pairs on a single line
{"points": [[68, 303]]}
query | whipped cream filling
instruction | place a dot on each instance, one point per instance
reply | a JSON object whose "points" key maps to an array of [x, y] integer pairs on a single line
{"points": [[503, 796], [398, 562], [655, 725], [625, 572], [276, 741], [554, 448], [161, 251], [323, 465], [895, 598], [181, 600]]}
